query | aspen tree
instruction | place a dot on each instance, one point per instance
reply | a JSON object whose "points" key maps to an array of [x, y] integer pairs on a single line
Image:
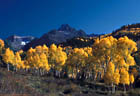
{"points": [[45, 50], [8, 58], [1, 46], [132, 79], [29, 57], [57, 58], [17, 61], [77, 60], [109, 49], [44, 63], [124, 77]]}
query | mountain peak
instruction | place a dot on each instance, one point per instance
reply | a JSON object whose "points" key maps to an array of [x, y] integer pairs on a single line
{"points": [[66, 27]]}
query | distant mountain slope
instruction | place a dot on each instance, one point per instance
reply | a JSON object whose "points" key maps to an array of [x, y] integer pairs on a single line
{"points": [[18, 42], [79, 42], [132, 31], [94, 35], [60, 35]]}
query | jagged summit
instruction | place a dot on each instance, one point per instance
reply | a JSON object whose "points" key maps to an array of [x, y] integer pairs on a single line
{"points": [[60, 35], [66, 27]]}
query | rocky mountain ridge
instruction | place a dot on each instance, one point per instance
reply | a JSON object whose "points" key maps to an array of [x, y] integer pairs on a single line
{"points": [[57, 36]]}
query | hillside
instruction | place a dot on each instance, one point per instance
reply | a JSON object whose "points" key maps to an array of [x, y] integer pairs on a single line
{"points": [[33, 85], [19, 83], [131, 31], [79, 42]]}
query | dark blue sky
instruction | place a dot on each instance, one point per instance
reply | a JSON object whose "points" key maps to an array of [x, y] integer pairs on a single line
{"points": [[36, 17]]}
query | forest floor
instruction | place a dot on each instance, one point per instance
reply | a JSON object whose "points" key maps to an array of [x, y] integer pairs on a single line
{"points": [[18, 84]]}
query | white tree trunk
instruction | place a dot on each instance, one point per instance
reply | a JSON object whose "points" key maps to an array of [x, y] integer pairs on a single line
{"points": [[124, 88], [8, 67], [113, 88]]}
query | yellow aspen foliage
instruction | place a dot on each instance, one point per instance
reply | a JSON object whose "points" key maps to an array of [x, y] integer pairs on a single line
{"points": [[17, 61], [126, 46], [105, 50], [130, 60], [116, 77], [1, 47], [110, 73], [124, 77], [111, 68], [30, 52], [53, 47], [26, 64], [38, 49], [44, 62], [57, 57], [1, 43], [131, 77], [88, 50], [29, 58], [134, 72], [20, 51], [117, 70], [30, 61], [36, 61], [22, 65], [8, 57], [60, 56], [117, 51], [59, 48], [52, 55], [77, 59], [120, 62], [105, 43], [45, 49]]}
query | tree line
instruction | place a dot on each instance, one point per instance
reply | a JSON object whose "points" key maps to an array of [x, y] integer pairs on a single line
{"points": [[108, 59]]}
